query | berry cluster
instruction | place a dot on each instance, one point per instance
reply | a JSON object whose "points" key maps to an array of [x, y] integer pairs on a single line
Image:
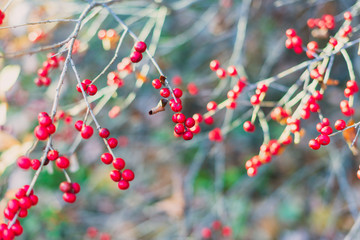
{"points": [[88, 87], [69, 191], [136, 56], [19, 206], [109, 38], [116, 78], [327, 21], [36, 35], [45, 127], [85, 130], [51, 63], [216, 231], [293, 42], [93, 233]]}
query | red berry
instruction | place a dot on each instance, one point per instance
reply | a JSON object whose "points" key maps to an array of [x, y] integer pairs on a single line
{"points": [[209, 120], [104, 133], [25, 202], [140, 46], [41, 133], [23, 213], [348, 16], [65, 187], [13, 205], [91, 90], [177, 92], [198, 117], [251, 171], [115, 175], [248, 126], [45, 121], [165, 92], [76, 187], [190, 122], [221, 73], [188, 135], [156, 84], [106, 158], [333, 42], [16, 229], [312, 46], [255, 99], [317, 95], [206, 233], [87, 132], [52, 155], [323, 139], [24, 162], [51, 129], [232, 71], [42, 72], [136, 57], [226, 231], [123, 185], [290, 33], [78, 88], [326, 130], [69, 197], [112, 142], [34, 199], [214, 65], [20, 193], [8, 233], [78, 125], [351, 84], [128, 175], [62, 162], [102, 34], [340, 124], [180, 118], [119, 163], [314, 144], [179, 128], [297, 42], [211, 106]]}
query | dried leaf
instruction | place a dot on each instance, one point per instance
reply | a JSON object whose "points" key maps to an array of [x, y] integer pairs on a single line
{"points": [[332, 82], [349, 136], [8, 77], [159, 108]]}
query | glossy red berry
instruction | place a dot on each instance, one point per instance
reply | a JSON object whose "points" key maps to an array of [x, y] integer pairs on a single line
{"points": [[211, 106], [140, 47], [156, 83], [44, 121], [128, 175], [76, 187], [347, 16], [209, 120], [62, 162], [165, 92], [69, 197], [340, 124], [206, 233], [79, 124], [198, 117], [290, 33], [123, 185], [34, 200], [41, 133], [188, 135], [333, 42], [314, 144], [115, 175], [323, 139], [107, 158], [251, 171], [112, 142], [78, 88], [214, 65], [221, 73], [51, 129], [52, 155], [25, 202], [104, 132], [190, 122], [65, 187], [135, 57], [91, 90], [177, 92], [180, 118], [13, 205], [179, 128], [232, 71], [326, 130], [248, 126], [119, 163], [24, 162], [87, 132]]}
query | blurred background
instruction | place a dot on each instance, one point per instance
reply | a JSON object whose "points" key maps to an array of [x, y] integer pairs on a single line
{"points": [[181, 187]]}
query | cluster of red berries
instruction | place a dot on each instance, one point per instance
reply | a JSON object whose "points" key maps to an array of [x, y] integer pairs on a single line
{"points": [[116, 78], [36, 35], [221, 72], [19, 205], [92, 233], [69, 191], [259, 94], [52, 62], [61, 115], [184, 126], [327, 21], [25, 163], [294, 41], [311, 105], [88, 87], [279, 115], [136, 56], [45, 127], [85, 130], [216, 231], [233, 94], [109, 38], [316, 73], [2, 16]]}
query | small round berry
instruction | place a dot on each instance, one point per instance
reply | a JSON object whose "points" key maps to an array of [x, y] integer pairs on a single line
{"points": [[165, 92], [255, 99], [51, 129], [23, 213], [119, 163], [41, 133], [104, 133], [209, 120], [323, 139], [333, 42], [45, 121], [314, 144], [115, 175], [198, 117], [128, 175], [34, 200], [91, 90], [69, 197], [156, 83], [102, 34], [232, 71], [123, 185], [312, 46], [340, 124], [177, 92], [179, 128], [78, 88], [290, 33], [62, 162], [188, 135], [140, 47], [251, 171], [347, 16], [87, 132], [135, 57], [25, 202], [112, 142], [24, 162], [221, 73], [180, 118], [211, 106], [190, 122], [52, 155], [20, 193], [8, 234], [214, 65], [79, 124], [65, 187], [206, 233], [249, 126], [226, 231], [16, 229], [327, 130], [13, 205], [76, 187], [107, 158]]}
